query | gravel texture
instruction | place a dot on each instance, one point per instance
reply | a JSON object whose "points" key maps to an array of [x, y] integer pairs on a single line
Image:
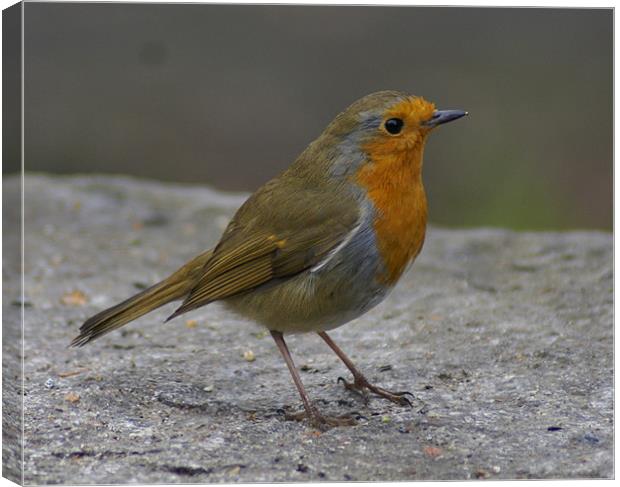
{"points": [[504, 338]]}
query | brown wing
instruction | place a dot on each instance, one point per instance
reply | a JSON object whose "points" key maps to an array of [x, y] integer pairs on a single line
{"points": [[275, 234]]}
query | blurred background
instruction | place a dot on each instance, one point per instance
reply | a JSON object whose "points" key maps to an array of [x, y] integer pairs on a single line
{"points": [[229, 95]]}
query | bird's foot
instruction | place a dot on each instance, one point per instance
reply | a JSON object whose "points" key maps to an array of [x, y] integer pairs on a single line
{"points": [[362, 386], [320, 421]]}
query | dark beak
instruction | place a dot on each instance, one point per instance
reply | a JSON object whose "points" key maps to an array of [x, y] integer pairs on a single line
{"points": [[444, 116]]}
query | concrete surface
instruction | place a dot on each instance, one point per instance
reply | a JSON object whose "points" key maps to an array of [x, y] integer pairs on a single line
{"points": [[504, 338]]}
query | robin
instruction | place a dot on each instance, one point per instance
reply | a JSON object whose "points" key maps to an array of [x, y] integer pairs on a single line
{"points": [[320, 244]]}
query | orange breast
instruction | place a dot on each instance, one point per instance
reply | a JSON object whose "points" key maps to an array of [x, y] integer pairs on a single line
{"points": [[393, 182]]}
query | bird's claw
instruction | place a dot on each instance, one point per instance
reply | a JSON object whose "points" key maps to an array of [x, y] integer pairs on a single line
{"points": [[362, 386], [352, 386]]}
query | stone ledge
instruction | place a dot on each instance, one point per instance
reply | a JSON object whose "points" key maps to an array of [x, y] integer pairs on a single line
{"points": [[505, 339]]}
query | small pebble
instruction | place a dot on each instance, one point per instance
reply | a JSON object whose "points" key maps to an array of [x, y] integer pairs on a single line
{"points": [[50, 383], [74, 298], [432, 451], [590, 438], [482, 474], [72, 397]]}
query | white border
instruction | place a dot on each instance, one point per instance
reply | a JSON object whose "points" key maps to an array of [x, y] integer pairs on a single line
{"points": [[475, 3]]}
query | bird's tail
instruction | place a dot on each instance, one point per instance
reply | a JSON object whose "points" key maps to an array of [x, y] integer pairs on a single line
{"points": [[170, 289]]}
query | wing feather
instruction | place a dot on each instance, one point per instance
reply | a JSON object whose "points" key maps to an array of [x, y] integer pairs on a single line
{"points": [[255, 250], [254, 247]]}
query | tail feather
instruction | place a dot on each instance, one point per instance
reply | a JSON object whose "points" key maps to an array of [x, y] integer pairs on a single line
{"points": [[173, 288]]}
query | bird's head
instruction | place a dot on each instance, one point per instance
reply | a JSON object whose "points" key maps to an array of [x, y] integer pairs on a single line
{"points": [[385, 124], [385, 130], [390, 121]]}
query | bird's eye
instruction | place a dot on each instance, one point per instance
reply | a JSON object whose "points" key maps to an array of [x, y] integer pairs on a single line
{"points": [[394, 125]]}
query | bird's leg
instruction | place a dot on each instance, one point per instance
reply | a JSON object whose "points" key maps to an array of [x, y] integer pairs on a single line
{"points": [[360, 383], [312, 413]]}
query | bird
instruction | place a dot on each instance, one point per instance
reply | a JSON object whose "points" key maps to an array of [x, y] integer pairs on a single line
{"points": [[318, 245]]}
